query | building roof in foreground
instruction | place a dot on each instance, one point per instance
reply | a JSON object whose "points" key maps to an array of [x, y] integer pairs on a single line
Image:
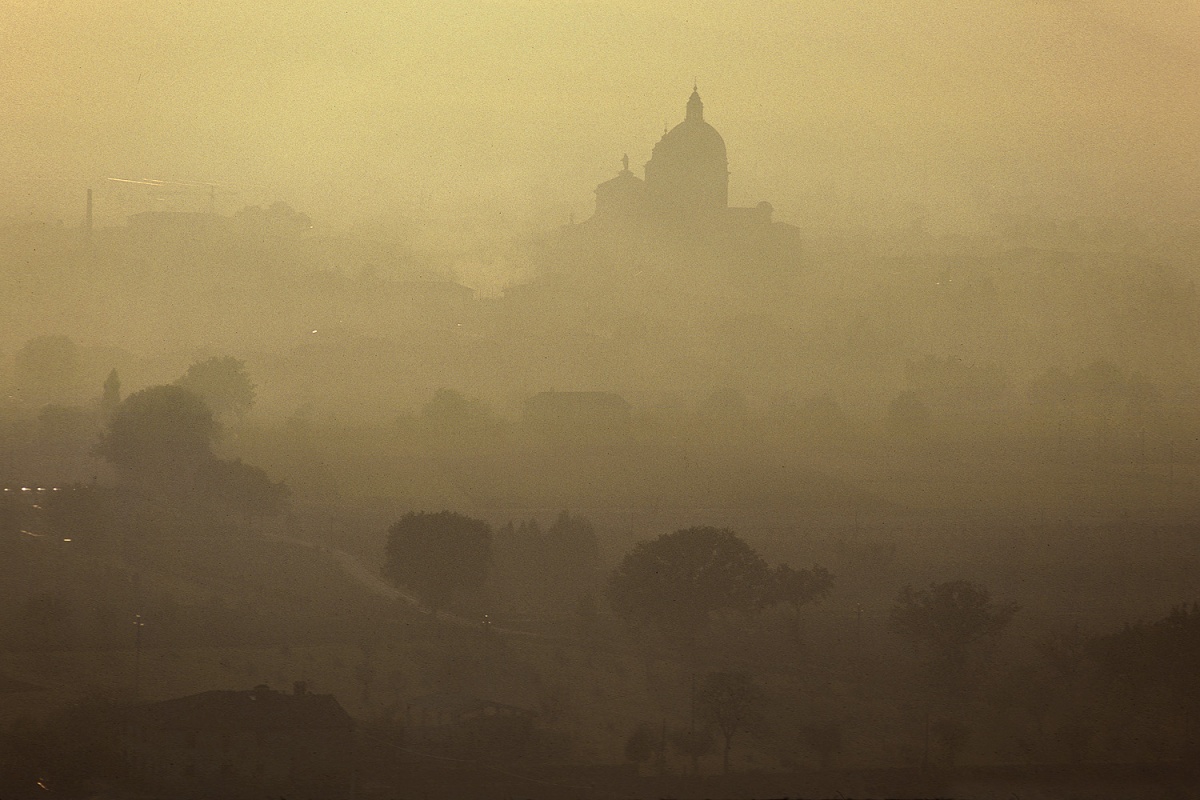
{"points": [[454, 703], [256, 709]]}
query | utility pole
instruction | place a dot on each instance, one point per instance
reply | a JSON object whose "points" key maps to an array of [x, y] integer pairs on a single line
{"points": [[1171, 471], [662, 750], [925, 754], [137, 655], [858, 612], [692, 728]]}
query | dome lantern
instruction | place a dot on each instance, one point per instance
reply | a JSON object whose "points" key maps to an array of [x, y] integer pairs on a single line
{"points": [[695, 107]]}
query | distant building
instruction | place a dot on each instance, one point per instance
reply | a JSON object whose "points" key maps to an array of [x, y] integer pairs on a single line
{"points": [[671, 236], [456, 725], [242, 745], [687, 179]]}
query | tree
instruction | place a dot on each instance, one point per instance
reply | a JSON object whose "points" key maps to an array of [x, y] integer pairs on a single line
{"points": [[798, 588], [160, 436], [242, 488], [729, 700], [677, 581], [1165, 653], [222, 383], [572, 556], [112, 394], [439, 557], [948, 620]]}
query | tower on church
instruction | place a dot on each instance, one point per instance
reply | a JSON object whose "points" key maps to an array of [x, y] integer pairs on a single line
{"points": [[688, 172], [676, 222]]}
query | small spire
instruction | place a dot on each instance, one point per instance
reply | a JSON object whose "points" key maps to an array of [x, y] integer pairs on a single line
{"points": [[695, 85], [625, 161], [695, 107]]}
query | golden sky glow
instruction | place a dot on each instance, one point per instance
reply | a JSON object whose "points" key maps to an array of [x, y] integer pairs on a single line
{"points": [[842, 108]]}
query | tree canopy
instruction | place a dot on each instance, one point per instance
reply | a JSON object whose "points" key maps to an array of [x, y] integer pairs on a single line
{"points": [[160, 433], [798, 588], [947, 620], [222, 383], [160, 439], [678, 580], [242, 488], [439, 557], [1165, 653]]}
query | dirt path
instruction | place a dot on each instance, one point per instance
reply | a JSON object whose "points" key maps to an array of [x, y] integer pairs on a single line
{"points": [[370, 580]]}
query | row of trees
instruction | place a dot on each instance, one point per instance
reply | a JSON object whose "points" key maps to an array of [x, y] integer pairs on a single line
{"points": [[446, 557], [161, 439], [51, 369], [679, 584]]}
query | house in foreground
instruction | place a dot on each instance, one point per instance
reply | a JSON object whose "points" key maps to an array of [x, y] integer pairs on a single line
{"points": [[242, 745]]}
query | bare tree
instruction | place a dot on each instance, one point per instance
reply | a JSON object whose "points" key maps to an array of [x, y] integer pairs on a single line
{"points": [[731, 701]]}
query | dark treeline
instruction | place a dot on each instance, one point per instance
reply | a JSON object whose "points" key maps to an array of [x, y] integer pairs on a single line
{"points": [[933, 515]]}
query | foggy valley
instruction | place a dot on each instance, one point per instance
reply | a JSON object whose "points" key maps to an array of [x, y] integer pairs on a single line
{"points": [[388, 408]]}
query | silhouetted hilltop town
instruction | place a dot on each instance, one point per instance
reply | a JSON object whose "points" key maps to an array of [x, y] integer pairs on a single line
{"points": [[675, 227], [687, 179], [665, 503]]}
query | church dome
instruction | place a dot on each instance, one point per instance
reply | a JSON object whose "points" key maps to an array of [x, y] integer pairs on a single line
{"points": [[688, 170], [693, 138]]}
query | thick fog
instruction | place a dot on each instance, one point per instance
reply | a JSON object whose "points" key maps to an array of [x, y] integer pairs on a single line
{"points": [[599, 399]]}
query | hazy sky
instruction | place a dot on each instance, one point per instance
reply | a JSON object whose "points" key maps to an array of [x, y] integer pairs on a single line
{"points": [[830, 108]]}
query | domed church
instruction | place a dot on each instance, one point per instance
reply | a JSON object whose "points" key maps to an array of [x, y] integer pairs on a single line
{"points": [[688, 172], [674, 232], [687, 177]]}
